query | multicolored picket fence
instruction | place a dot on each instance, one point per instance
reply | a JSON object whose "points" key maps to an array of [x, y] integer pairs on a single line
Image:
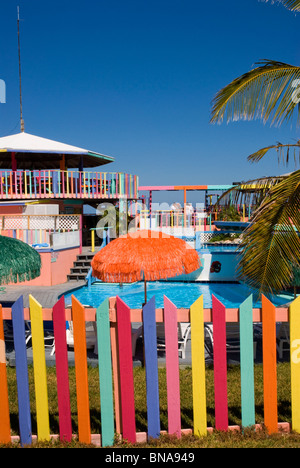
{"points": [[114, 332]]}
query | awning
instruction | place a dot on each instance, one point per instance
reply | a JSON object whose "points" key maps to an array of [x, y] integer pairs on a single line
{"points": [[33, 152]]}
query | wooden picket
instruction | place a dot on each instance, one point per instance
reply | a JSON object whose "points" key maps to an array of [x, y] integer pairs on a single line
{"points": [[62, 371], [22, 372], [295, 363], [105, 374], [198, 368], [151, 363], [114, 318], [247, 363], [4, 406], [172, 368], [269, 365], [220, 365], [126, 371], [82, 387]]}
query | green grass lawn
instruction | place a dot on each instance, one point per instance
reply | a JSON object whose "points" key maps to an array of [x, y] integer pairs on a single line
{"points": [[246, 439]]}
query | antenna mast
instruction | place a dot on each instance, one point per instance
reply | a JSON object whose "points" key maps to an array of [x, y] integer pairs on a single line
{"points": [[20, 77]]}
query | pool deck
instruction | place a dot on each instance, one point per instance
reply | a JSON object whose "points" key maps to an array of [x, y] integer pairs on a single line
{"points": [[47, 296]]}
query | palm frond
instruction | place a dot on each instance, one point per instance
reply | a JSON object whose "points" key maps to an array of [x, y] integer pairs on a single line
{"points": [[268, 92], [284, 153], [270, 248], [293, 5], [251, 192]]}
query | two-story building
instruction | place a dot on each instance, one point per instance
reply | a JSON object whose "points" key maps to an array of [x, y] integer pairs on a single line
{"points": [[45, 186]]}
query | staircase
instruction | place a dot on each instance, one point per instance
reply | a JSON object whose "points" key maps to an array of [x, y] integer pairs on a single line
{"points": [[81, 267]]}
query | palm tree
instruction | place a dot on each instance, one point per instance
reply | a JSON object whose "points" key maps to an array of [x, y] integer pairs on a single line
{"points": [[270, 252]]}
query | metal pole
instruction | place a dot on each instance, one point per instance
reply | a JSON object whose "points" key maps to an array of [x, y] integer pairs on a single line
{"points": [[20, 77]]}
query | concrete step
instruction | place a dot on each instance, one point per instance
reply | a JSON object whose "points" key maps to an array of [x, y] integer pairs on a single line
{"points": [[85, 256], [82, 263], [82, 268], [76, 276]]}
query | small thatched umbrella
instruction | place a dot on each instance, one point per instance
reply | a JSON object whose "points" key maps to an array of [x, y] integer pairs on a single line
{"points": [[18, 261], [144, 255]]}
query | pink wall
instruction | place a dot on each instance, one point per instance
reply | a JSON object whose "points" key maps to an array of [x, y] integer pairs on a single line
{"points": [[64, 262], [11, 210], [55, 267]]}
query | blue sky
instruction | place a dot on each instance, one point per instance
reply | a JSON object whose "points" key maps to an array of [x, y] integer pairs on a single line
{"points": [[135, 79]]}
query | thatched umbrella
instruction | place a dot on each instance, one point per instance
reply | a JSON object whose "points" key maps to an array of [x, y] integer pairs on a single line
{"points": [[18, 261], [144, 255]]}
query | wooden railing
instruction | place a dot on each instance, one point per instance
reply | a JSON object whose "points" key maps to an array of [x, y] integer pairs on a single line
{"points": [[37, 229], [67, 184]]}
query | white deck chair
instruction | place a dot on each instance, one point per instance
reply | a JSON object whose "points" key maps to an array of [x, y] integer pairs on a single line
{"points": [[184, 330], [8, 332], [48, 335], [91, 336], [183, 336], [232, 338]]}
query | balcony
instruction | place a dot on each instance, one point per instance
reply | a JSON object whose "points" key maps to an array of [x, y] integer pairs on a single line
{"points": [[49, 184]]}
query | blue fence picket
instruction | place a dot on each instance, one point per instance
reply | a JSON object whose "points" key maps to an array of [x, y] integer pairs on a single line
{"points": [[151, 363], [22, 372]]}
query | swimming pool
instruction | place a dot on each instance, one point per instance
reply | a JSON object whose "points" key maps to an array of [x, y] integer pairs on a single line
{"points": [[182, 294]]}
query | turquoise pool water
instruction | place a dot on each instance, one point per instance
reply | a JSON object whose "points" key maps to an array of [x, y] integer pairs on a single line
{"points": [[181, 294]]}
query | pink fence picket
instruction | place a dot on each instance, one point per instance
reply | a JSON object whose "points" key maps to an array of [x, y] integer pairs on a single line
{"points": [[172, 368], [126, 371], [220, 364]]}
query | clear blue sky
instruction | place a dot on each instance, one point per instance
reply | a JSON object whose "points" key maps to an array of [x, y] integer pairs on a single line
{"points": [[134, 79]]}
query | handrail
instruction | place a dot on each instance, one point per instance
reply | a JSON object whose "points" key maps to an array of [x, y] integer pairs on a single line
{"points": [[25, 184]]}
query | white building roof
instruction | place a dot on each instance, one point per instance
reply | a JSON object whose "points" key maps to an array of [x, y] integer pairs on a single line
{"points": [[27, 143]]}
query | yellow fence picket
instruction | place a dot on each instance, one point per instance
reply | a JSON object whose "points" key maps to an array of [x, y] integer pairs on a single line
{"points": [[198, 368], [40, 375], [295, 362]]}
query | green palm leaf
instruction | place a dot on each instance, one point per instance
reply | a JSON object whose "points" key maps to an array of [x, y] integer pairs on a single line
{"points": [[251, 192], [293, 5], [270, 248], [284, 153], [269, 92]]}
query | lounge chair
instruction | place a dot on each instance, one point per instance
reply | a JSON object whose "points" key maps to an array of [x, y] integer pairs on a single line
{"points": [[232, 338], [91, 336]]}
